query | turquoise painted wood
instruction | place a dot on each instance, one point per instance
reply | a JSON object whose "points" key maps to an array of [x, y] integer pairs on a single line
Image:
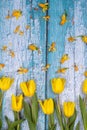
{"points": [[43, 33]]}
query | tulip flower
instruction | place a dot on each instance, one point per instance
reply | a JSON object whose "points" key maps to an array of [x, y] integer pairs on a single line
{"points": [[69, 109], [84, 86], [58, 85], [28, 88], [17, 103], [47, 106], [5, 83]]}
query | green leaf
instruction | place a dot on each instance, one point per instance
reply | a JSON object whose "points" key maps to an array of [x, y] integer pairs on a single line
{"points": [[12, 125], [77, 126], [51, 125], [28, 115], [83, 112], [15, 123], [0, 123], [34, 108], [65, 124], [59, 117], [1, 94], [71, 121], [7, 120]]}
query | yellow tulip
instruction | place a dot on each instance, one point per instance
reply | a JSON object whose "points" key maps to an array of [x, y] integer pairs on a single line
{"points": [[69, 109], [28, 88], [47, 106], [5, 83], [84, 86], [58, 85], [17, 102]]}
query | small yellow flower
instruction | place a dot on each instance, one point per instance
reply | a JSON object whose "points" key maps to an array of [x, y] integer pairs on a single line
{"points": [[28, 88], [52, 47], [62, 70], [46, 17], [69, 109], [58, 85], [5, 83], [12, 54], [4, 48], [44, 6], [17, 29], [33, 47], [47, 106], [17, 13], [84, 86], [2, 66], [71, 39], [63, 19], [21, 33], [27, 27], [45, 68], [64, 58], [84, 39], [17, 103], [85, 73], [76, 67], [22, 70]]}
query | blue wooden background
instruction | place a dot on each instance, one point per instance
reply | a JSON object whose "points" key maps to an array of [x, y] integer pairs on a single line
{"points": [[43, 33]]}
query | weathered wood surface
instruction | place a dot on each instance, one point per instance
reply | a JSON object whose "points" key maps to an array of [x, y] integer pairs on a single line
{"points": [[43, 33]]}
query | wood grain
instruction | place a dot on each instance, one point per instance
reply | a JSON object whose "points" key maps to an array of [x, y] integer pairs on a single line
{"points": [[43, 33]]}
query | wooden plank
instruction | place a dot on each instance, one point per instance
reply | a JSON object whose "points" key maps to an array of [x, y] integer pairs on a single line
{"points": [[59, 35], [24, 57], [19, 46], [38, 37], [80, 55]]}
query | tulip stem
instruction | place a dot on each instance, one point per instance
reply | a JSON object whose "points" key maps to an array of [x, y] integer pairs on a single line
{"points": [[52, 125], [17, 118], [86, 100], [1, 99], [59, 105], [18, 126]]}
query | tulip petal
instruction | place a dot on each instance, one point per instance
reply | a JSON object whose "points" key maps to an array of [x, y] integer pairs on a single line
{"points": [[42, 106], [17, 102], [69, 108], [24, 88]]}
